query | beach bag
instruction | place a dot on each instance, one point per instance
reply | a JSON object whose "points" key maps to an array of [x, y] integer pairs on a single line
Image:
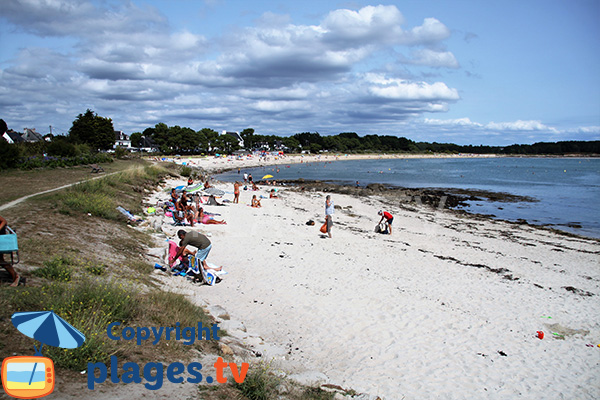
{"points": [[324, 228]]}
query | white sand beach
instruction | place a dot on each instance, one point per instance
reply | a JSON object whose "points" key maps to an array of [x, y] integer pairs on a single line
{"points": [[445, 308]]}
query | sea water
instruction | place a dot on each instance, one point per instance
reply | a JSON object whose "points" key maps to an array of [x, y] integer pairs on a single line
{"points": [[566, 191]]}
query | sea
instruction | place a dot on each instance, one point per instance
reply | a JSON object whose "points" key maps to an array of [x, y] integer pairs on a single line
{"points": [[563, 193]]}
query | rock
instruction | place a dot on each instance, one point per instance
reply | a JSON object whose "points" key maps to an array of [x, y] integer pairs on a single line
{"points": [[219, 312], [226, 350], [309, 378]]}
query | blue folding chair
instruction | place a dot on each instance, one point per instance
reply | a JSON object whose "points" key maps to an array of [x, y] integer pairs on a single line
{"points": [[9, 245]]}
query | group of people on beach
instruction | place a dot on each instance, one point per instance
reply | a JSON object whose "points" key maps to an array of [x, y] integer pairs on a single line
{"points": [[186, 209]]}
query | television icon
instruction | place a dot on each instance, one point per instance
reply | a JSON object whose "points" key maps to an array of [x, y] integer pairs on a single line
{"points": [[28, 377]]}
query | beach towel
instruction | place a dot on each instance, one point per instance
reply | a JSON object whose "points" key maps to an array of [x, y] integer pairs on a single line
{"points": [[173, 249]]}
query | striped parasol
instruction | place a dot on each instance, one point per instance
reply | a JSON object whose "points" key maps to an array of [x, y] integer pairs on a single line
{"points": [[48, 328]]}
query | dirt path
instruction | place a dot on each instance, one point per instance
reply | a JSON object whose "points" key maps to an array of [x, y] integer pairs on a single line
{"points": [[21, 199]]}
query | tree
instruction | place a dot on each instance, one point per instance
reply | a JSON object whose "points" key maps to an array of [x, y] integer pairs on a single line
{"points": [[227, 143], [247, 135], [93, 130], [210, 138], [136, 139]]}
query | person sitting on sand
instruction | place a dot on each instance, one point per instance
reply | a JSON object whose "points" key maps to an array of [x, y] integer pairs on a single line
{"points": [[13, 274], [255, 202], [273, 194], [236, 192], [183, 211], [206, 184], [190, 181], [206, 219], [254, 187], [389, 218], [174, 196]]}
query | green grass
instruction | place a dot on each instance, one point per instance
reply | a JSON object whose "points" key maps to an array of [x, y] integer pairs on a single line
{"points": [[99, 197]]}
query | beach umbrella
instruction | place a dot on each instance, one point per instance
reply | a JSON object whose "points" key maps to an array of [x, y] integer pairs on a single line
{"points": [[267, 177], [48, 328], [211, 191]]}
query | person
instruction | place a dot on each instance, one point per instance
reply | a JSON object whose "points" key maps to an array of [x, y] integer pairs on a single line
{"points": [[196, 239], [236, 192], [183, 211], [174, 196], [273, 194], [7, 266], [245, 177], [250, 178], [206, 184], [254, 187], [206, 219], [255, 202], [357, 184], [329, 207], [389, 218], [190, 181]]}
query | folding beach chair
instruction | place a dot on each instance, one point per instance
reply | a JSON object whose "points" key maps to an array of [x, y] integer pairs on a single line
{"points": [[9, 245]]}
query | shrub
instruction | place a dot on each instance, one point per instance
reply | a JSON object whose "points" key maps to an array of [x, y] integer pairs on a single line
{"points": [[185, 171], [57, 269]]}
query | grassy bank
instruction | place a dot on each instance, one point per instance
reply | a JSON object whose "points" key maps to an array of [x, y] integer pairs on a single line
{"points": [[83, 261]]}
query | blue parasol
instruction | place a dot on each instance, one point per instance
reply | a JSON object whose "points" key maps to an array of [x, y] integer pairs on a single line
{"points": [[48, 328]]}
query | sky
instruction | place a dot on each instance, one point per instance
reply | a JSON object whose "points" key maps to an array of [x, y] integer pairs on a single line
{"points": [[461, 71]]}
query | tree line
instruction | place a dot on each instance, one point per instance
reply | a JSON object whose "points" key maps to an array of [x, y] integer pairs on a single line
{"points": [[91, 133]]}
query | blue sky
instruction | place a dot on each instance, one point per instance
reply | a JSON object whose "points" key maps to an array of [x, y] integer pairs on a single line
{"points": [[462, 71]]}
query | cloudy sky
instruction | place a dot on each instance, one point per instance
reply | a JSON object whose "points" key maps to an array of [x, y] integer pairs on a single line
{"points": [[462, 71]]}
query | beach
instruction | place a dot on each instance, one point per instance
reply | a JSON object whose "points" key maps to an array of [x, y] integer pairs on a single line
{"points": [[448, 306]]}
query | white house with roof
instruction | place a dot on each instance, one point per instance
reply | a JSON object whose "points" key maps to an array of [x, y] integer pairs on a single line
{"points": [[236, 135], [122, 140]]}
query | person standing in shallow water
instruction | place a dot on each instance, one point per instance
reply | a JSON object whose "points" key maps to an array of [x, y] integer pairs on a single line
{"points": [[329, 207]]}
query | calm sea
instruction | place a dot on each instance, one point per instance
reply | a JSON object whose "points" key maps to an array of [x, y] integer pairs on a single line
{"points": [[566, 190]]}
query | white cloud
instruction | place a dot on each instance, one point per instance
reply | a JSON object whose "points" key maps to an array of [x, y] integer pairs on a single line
{"points": [[452, 122], [399, 89], [520, 126], [431, 58]]}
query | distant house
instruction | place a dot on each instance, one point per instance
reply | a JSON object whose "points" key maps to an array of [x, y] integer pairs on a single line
{"points": [[31, 136], [148, 145], [121, 140], [236, 135], [12, 136]]}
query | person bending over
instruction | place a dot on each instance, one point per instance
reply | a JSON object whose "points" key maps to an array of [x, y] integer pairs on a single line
{"points": [[389, 218], [196, 239]]}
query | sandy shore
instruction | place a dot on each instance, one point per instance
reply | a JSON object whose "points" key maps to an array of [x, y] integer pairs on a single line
{"points": [[446, 307]]}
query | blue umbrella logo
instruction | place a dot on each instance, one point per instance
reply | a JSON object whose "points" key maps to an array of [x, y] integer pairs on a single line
{"points": [[33, 377], [48, 328]]}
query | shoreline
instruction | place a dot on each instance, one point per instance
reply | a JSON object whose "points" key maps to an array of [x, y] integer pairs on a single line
{"points": [[447, 306], [455, 197]]}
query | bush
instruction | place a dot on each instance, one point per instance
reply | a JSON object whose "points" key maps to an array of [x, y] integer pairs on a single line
{"points": [[185, 171], [57, 269], [9, 154], [259, 384]]}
